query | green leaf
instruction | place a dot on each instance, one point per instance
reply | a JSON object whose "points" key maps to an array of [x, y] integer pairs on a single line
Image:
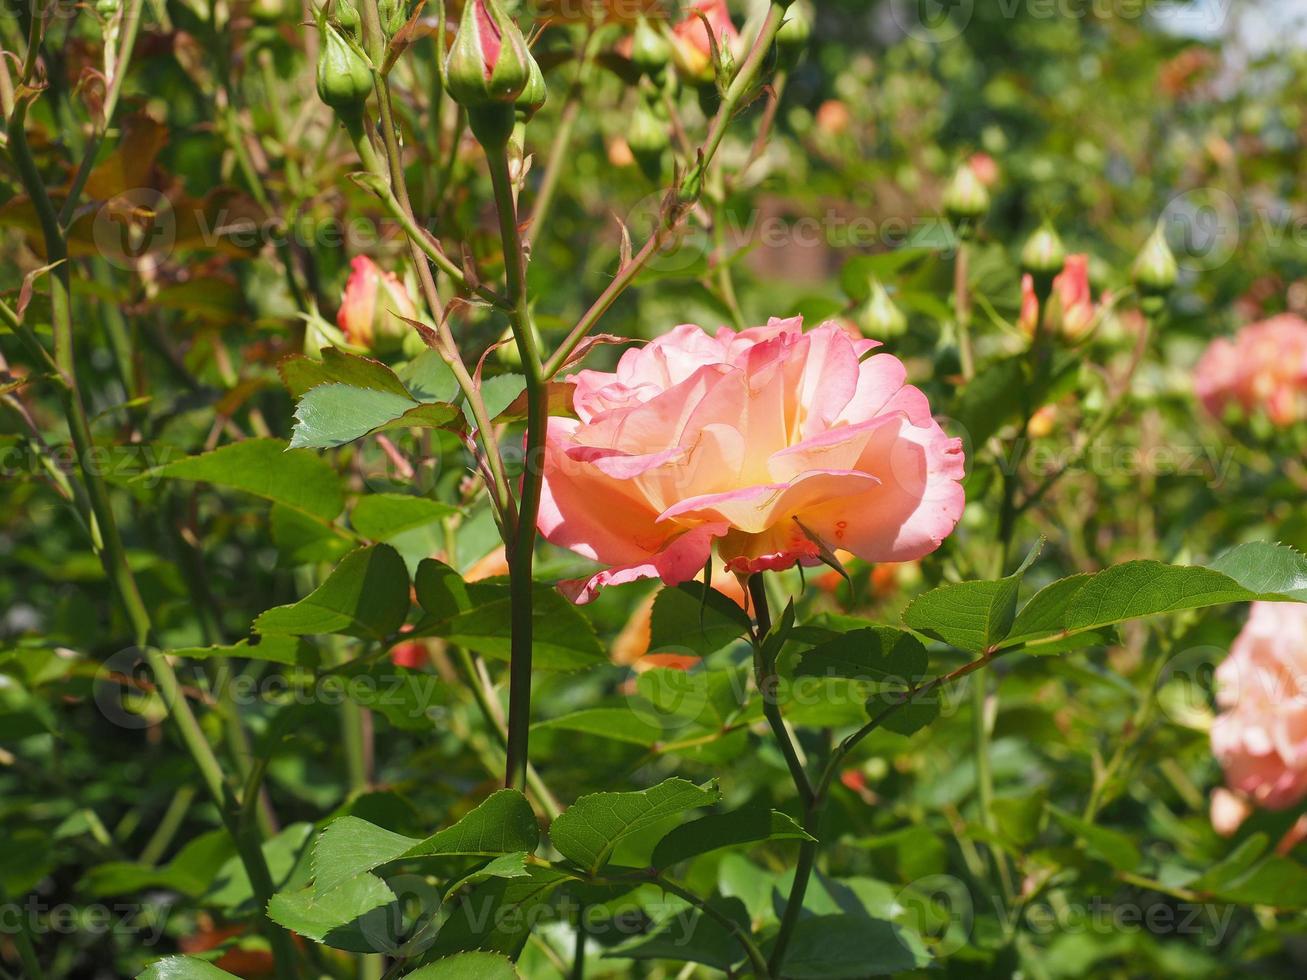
{"points": [[588, 830], [384, 516], [1136, 589], [350, 846], [692, 617], [301, 373], [718, 830], [366, 595], [1112, 846], [266, 468], [289, 650], [503, 823], [879, 653], [332, 415], [183, 968], [1266, 569], [972, 616], [851, 947], [344, 397], [920, 710], [331, 917], [468, 966]]}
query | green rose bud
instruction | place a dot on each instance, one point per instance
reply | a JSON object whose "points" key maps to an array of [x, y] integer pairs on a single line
{"points": [[488, 63], [966, 199], [650, 51], [1043, 254], [793, 37], [880, 318], [344, 79], [1155, 270], [535, 95], [347, 16], [648, 140]]}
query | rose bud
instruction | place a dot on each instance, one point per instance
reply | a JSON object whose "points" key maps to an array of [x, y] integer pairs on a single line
{"points": [[880, 319], [1155, 270], [984, 167], [375, 308], [488, 61], [1042, 258], [795, 34], [344, 79], [966, 200], [693, 44], [648, 140], [534, 96], [650, 51]]}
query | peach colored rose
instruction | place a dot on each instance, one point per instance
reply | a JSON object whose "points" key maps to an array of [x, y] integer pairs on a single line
{"points": [[1260, 736], [1070, 309], [1262, 370], [1229, 811], [693, 48], [373, 310], [763, 445]]}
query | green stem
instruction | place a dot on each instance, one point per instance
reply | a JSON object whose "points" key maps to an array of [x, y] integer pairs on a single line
{"points": [[751, 950], [521, 557], [768, 682], [962, 308]]}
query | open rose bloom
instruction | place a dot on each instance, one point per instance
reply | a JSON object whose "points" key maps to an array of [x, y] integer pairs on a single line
{"points": [[768, 445], [1262, 371], [1260, 737]]}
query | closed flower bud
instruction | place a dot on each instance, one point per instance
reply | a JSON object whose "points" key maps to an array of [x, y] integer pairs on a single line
{"points": [[536, 93], [1043, 255], [1155, 270], [795, 33], [376, 308], [347, 16], [344, 80], [966, 199], [707, 27], [648, 140], [488, 62], [880, 318], [650, 51]]}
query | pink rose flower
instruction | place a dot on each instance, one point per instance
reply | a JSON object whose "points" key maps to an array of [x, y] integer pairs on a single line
{"points": [[1071, 311], [1260, 736], [375, 307], [1262, 370], [766, 444], [693, 48]]}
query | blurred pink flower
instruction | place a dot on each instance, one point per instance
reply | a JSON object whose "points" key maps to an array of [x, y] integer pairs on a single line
{"points": [[766, 444], [984, 167], [693, 48], [374, 308], [1262, 370], [1260, 736], [1070, 310]]}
